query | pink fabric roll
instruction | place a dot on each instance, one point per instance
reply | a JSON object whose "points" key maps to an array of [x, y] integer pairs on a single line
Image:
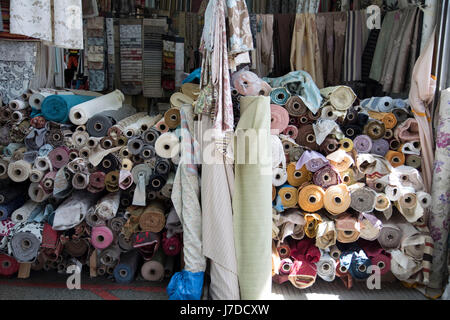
{"points": [[279, 119], [48, 181], [248, 83], [291, 131], [101, 237], [59, 157], [161, 126], [378, 256], [125, 179], [171, 246], [407, 131]]}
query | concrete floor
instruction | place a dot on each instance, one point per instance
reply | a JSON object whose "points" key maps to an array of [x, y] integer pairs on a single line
{"points": [[52, 286]]}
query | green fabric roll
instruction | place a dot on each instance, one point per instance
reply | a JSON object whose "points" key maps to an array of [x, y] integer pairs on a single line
{"points": [[57, 107], [252, 200]]}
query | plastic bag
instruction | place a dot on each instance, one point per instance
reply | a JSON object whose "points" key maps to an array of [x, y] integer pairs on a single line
{"points": [[186, 285]]}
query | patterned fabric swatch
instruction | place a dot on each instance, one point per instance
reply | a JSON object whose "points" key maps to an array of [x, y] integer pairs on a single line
{"points": [[96, 48], [131, 56]]}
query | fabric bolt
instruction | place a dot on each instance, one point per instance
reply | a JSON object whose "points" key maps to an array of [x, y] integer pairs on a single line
{"points": [[65, 218], [348, 228], [310, 198], [57, 107], [25, 242], [283, 27], [356, 262]]}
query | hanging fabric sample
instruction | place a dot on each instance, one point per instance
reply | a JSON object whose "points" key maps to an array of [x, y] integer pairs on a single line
{"points": [[356, 34], [131, 56], [305, 51], [68, 24], [111, 61], [31, 18], [152, 56], [96, 48], [283, 27], [264, 45]]}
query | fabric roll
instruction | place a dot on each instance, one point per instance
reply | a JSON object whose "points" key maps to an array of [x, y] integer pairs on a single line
{"points": [[304, 271], [329, 145], [135, 145], [380, 147], [73, 210], [395, 158], [326, 267], [108, 206], [363, 144], [154, 270], [35, 139], [348, 228], [6, 209], [313, 161], [167, 145], [125, 270], [279, 177], [370, 227], [8, 265], [307, 138], [296, 107], [148, 152], [279, 96], [412, 148], [152, 219], [109, 256], [57, 107], [407, 131], [291, 131], [326, 234], [150, 136], [312, 222], [375, 130], [340, 160], [310, 198], [337, 199], [82, 112], [37, 98], [297, 177], [340, 97], [17, 104], [8, 194], [59, 157], [172, 118], [76, 247], [141, 176], [363, 199], [326, 177], [172, 246], [156, 182], [343, 273], [356, 262], [377, 256], [112, 181], [335, 253], [9, 150], [288, 195], [3, 169], [93, 220], [352, 131], [279, 118], [37, 193], [19, 171], [401, 115], [346, 144], [390, 236], [26, 241], [382, 202], [102, 237], [389, 120], [96, 182]]}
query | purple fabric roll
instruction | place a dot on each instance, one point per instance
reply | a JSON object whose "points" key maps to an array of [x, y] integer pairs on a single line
{"points": [[326, 177], [380, 147], [363, 143]]}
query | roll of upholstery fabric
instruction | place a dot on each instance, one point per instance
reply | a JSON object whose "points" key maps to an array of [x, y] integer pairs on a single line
{"points": [[377, 255], [291, 131], [287, 143], [135, 145], [80, 138], [284, 251], [328, 146], [326, 177], [348, 228], [112, 181], [248, 83], [363, 199], [109, 163], [370, 227], [382, 202], [407, 131], [312, 117], [19, 171], [356, 262], [285, 267], [346, 144], [340, 97], [375, 129], [141, 176], [150, 136], [162, 127], [326, 234], [57, 107], [96, 182], [379, 104], [172, 118], [412, 147], [8, 194], [400, 114], [167, 145], [163, 167], [312, 224], [153, 218], [125, 179], [156, 182], [80, 181], [279, 118], [59, 157], [306, 137], [310, 198], [343, 273], [4, 169], [288, 195], [17, 104], [99, 124], [108, 206], [76, 247], [37, 98], [178, 99], [340, 160], [37, 193], [172, 246], [335, 253], [390, 236], [279, 96], [26, 241], [363, 144], [93, 219], [6, 209], [22, 213], [154, 270], [35, 139], [326, 267], [304, 270], [102, 237], [337, 199], [109, 256], [295, 153], [73, 210], [297, 177], [84, 111], [48, 181], [125, 270], [389, 119], [148, 152], [9, 150], [380, 147], [395, 158], [8, 265], [296, 107], [389, 134], [352, 131], [279, 176]]}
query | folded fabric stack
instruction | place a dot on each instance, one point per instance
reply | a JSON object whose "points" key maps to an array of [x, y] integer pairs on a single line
{"points": [[85, 177], [347, 190]]}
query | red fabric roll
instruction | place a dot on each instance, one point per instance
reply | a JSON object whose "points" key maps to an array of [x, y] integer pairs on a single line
{"points": [[345, 276], [378, 256], [59, 157], [171, 246], [8, 265], [96, 182], [305, 250], [38, 122]]}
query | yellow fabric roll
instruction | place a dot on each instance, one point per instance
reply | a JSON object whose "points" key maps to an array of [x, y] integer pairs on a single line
{"points": [[348, 177], [312, 224], [288, 197], [395, 158], [389, 119], [348, 229], [310, 198], [346, 144], [337, 199], [297, 177]]}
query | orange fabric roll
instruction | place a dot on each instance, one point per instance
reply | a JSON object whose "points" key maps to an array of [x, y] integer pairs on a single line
{"points": [[288, 197], [395, 158], [337, 199], [310, 198], [297, 177]]}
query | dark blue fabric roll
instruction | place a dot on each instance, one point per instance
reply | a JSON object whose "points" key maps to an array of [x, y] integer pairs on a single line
{"points": [[125, 271], [8, 208]]}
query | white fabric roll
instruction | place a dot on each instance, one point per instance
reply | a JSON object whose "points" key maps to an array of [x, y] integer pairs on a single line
{"points": [[142, 124], [37, 193], [17, 104], [277, 152], [424, 199], [279, 176], [43, 164], [37, 98], [73, 210], [107, 207], [167, 145], [19, 171], [22, 214], [81, 113], [80, 138], [36, 175]]}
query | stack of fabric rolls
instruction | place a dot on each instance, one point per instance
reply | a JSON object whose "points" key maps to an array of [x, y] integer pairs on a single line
{"points": [[86, 177], [347, 191]]}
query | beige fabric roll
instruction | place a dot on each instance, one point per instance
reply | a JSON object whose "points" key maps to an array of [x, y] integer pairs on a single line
{"points": [[19, 171]]}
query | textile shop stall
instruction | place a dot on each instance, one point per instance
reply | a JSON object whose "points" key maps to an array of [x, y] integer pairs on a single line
{"points": [[228, 146]]}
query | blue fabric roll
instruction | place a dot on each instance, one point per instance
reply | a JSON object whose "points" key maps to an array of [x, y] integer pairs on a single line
{"points": [[125, 271], [356, 262], [186, 285], [7, 209], [280, 96], [57, 107]]}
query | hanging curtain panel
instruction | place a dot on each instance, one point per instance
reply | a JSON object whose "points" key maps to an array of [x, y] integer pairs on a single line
{"points": [[131, 56]]}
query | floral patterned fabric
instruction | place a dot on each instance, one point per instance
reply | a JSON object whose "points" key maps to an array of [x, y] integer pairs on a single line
{"points": [[68, 24], [17, 67], [239, 24], [440, 218]]}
